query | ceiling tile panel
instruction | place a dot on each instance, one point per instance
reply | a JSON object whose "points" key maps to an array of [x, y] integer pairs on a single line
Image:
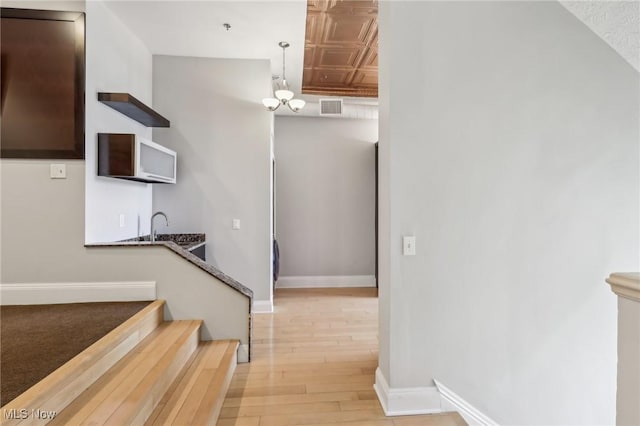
{"points": [[315, 26], [309, 56], [331, 77], [353, 7], [307, 76], [370, 58], [363, 78], [338, 56], [350, 29], [341, 48], [321, 5]]}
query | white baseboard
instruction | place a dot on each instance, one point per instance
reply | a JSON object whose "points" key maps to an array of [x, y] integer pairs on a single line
{"points": [[262, 307], [243, 353], [319, 281], [406, 401], [53, 293], [453, 402]]}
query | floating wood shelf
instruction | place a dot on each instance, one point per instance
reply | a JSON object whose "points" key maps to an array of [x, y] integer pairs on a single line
{"points": [[133, 108]]}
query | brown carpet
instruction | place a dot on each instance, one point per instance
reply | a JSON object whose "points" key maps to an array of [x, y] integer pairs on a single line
{"points": [[37, 339]]}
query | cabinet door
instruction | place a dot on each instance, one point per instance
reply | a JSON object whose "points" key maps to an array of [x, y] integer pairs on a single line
{"points": [[156, 162]]}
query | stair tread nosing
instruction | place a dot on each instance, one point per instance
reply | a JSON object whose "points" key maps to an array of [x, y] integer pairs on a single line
{"points": [[197, 394], [134, 385]]}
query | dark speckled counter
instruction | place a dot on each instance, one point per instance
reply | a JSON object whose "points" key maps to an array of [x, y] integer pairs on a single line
{"points": [[181, 244], [186, 241]]}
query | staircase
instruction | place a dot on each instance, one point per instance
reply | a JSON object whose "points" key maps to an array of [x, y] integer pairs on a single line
{"points": [[145, 372]]}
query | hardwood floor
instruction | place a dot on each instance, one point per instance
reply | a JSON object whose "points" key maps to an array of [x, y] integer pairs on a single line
{"points": [[313, 363]]}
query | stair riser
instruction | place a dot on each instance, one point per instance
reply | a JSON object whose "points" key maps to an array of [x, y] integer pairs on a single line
{"points": [[170, 374], [171, 405], [215, 412], [198, 395]]}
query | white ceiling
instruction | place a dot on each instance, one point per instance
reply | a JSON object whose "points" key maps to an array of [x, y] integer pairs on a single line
{"points": [[195, 28], [616, 22]]}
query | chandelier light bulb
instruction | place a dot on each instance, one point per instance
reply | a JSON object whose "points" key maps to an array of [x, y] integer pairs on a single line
{"points": [[284, 94], [271, 103], [296, 104]]}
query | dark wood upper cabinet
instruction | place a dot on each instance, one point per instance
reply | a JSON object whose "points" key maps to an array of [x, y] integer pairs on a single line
{"points": [[127, 156], [133, 108], [116, 155], [42, 83]]}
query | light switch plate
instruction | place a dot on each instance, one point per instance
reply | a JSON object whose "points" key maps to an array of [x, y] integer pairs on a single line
{"points": [[58, 171], [235, 224], [409, 245], [122, 220]]}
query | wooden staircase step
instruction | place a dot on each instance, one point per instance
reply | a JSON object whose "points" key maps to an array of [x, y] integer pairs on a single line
{"points": [[60, 388], [197, 394], [129, 391]]}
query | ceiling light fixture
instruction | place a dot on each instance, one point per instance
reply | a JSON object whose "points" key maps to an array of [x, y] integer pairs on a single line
{"points": [[283, 96]]}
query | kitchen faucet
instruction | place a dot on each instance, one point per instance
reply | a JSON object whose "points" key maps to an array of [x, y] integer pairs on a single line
{"points": [[153, 231]]}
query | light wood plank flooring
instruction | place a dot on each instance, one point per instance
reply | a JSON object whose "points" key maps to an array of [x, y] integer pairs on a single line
{"points": [[313, 363]]}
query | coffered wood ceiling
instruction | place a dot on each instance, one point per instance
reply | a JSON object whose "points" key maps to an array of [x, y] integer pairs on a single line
{"points": [[341, 48]]}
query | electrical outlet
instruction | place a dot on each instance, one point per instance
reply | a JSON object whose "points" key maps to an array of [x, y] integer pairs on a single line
{"points": [[235, 224]]}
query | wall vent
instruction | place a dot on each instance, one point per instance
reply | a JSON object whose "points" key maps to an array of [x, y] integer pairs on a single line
{"points": [[330, 106]]}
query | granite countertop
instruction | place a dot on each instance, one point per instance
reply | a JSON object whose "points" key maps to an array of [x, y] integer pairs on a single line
{"points": [[181, 244], [186, 241]]}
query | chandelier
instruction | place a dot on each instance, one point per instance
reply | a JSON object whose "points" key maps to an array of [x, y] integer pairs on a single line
{"points": [[284, 96]]}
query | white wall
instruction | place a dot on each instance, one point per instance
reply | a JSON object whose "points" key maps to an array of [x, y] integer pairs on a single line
{"points": [[325, 195], [117, 61], [384, 194], [509, 136], [221, 133]]}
